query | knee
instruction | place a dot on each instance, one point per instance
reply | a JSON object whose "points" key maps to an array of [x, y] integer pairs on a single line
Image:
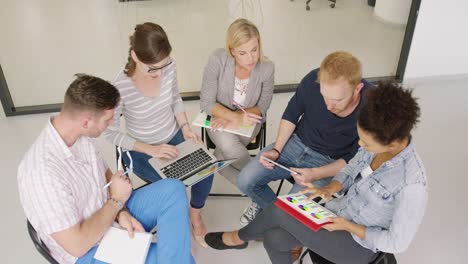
{"points": [[244, 180], [273, 240], [172, 186]]}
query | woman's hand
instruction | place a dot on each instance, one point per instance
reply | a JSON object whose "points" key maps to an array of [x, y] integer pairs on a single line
{"points": [[190, 135], [165, 151], [324, 193], [337, 223], [249, 119], [218, 124]]}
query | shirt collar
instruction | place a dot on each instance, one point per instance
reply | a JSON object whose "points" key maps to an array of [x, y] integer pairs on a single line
{"points": [[61, 148], [403, 155]]}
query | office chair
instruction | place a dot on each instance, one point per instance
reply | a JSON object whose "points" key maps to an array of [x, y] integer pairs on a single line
{"points": [[121, 164], [332, 5], [40, 246], [258, 143], [382, 258]]}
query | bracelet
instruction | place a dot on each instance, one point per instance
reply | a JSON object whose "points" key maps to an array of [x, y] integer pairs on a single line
{"points": [[279, 153], [117, 202], [184, 124]]}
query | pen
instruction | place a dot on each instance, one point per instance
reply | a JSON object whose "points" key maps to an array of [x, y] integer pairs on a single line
{"points": [[239, 106], [109, 183]]}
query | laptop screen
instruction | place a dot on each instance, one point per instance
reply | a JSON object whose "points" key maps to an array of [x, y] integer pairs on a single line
{"points": [[216, 166]]}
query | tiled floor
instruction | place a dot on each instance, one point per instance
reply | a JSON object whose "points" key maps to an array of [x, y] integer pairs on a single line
{"points": [[440, 139]]}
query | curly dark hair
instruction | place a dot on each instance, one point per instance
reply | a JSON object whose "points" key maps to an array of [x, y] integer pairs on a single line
{"points": [[390, 112], [90, 93]]}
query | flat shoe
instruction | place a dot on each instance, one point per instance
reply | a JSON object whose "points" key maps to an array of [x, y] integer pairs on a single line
{"points": [[215, 240]]}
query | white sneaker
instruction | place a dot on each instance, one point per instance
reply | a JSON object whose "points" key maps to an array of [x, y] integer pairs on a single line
{"points": [[249, 213]]}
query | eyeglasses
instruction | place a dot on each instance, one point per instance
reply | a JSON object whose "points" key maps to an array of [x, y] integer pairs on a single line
{"points": [[152, 70]]}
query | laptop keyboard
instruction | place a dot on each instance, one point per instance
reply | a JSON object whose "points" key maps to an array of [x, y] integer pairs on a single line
{"points": [[186, 164]]}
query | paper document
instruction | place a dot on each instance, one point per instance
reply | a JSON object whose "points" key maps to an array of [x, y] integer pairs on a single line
{"points": [[117, 247], [203, 120]]}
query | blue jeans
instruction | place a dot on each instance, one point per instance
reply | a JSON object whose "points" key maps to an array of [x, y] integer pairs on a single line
{"points": [[254, 178], [164, 204], [144, 170]]}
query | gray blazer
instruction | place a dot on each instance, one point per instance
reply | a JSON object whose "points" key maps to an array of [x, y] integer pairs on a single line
{"points": [[218, 84]]}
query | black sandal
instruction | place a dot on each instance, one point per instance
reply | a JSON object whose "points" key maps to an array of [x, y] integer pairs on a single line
{"points": [[215, 240]]}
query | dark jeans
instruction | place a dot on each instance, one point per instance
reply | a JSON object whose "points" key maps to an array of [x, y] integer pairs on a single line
{"points": [[144, 170], [281, 232]]}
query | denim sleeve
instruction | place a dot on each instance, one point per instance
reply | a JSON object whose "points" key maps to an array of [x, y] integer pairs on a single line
{"points": [[348, 173], [296, 106], [406, 220]]}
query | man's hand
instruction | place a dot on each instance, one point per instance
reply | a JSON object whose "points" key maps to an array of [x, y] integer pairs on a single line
{"points": [[127, 221], [165, 151], [305, 175], [121, 187], [271, 154]]}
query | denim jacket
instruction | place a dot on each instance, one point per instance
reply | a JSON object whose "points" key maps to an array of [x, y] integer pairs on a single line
{"points": [[390, 202]]}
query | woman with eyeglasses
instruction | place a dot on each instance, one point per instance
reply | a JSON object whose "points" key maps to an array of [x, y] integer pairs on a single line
{"points": [[237, 89], [154, 112]]}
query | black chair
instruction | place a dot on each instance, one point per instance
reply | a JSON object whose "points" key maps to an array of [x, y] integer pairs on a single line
{"points": [[258, 143], [332, 5], [40, 246], [382, 258]]}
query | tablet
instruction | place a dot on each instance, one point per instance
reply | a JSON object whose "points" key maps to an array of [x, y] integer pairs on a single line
{"points": [[279, 165]]}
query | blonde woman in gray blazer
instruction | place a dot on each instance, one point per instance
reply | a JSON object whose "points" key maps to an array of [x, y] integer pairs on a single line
{"points": [[237, 74]]}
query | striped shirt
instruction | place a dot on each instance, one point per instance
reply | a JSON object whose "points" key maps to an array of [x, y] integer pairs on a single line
{"points": [[61, 186], [148, 119]]}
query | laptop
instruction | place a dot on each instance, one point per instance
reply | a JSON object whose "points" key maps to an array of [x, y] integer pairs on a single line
{"points": [[193, 164]]}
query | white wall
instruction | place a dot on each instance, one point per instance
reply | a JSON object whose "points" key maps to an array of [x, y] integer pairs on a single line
{"points": [[440, 41]]}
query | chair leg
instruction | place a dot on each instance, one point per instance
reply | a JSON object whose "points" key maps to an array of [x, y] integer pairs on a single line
{"points": [[279, 187], [304, 254]]}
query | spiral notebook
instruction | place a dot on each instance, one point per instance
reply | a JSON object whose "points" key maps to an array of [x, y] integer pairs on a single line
{"points": [[117, 247], [307, 212]]}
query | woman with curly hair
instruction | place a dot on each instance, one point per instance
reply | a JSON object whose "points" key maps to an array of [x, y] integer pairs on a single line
{"points": [[384, 191]]}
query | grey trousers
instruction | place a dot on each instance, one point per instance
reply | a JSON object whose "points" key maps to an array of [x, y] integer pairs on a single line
{"points": [[281, 232], [231, 146]]}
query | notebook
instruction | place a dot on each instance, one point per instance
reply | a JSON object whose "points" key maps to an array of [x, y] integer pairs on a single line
{"points": [[307, 212], [203, 120], [193, 164], [117, 247]]}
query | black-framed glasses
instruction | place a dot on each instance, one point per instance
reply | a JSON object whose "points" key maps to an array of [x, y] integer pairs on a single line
{"points": [[151, 69]]}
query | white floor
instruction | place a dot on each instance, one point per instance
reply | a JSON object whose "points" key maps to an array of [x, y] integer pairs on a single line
{"points": [[440, 139], [48, 41]]}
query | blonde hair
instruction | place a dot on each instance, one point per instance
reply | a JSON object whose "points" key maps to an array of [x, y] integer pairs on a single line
{"points": [[340, 65], [240, 32]]}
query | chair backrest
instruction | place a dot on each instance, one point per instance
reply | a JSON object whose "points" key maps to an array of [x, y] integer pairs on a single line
{"points": [[40, 246], [259, 142]]}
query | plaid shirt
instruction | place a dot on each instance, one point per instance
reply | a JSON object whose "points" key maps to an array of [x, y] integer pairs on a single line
{"points": [[61, 186]]}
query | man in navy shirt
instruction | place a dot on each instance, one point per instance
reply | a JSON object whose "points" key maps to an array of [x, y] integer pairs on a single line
{"points": [[317, 134]]}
